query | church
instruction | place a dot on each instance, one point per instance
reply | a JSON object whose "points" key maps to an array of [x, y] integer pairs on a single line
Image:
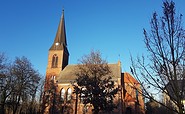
{"points": [[59, 97]]}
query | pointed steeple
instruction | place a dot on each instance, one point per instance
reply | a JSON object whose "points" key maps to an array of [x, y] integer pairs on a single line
{"points": [[60, 42]]}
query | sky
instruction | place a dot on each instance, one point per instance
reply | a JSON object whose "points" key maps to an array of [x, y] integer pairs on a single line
{"points": [[114, 27]]}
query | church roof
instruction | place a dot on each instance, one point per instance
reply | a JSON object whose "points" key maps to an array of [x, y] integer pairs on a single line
{"points": [[60, 42], [67, 75]]}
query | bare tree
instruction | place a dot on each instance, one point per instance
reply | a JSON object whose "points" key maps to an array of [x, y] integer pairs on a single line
{"points": [[40, 94], [94, 84], [25, 82], [4, 81], [164, 72], [18, 86]]}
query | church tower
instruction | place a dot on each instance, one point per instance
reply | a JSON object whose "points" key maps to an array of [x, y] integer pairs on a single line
{"points": [[58, 53]]}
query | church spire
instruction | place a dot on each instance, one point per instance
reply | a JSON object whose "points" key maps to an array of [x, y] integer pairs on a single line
{"points": [[58, 52], [60, 42]]}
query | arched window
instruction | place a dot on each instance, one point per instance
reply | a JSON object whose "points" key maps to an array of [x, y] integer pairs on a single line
{"points": [[54, 61], [69, 93], [62, 94]]}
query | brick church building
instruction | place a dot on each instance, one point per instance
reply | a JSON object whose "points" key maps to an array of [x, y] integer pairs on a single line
{"points": [[59, 96]]}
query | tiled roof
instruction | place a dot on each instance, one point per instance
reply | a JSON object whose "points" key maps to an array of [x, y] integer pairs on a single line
{"points": [[67, 75]]}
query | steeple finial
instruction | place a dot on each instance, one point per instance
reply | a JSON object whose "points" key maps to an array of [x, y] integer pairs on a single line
{"points": [[63, 9], [63, 12]]}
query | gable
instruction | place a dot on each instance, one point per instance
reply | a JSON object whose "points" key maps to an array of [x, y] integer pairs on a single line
{"points": [[129, 79]]}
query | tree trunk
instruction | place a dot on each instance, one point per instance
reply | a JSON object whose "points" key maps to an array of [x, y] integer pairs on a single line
{"points": [[76, 103], [16, 105], [2, 108], [2, 102]]}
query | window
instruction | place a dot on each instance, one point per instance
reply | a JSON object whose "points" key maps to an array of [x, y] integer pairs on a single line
{"points": [[54, 61], [69, 93], [82, 95], [62, 94]]}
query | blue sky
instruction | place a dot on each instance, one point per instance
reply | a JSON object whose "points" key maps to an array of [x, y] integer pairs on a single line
{"points": [[114, 27]]}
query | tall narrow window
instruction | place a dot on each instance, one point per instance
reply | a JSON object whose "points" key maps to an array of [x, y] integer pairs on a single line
{"points": [[62, 94], [69, 93], [82, 96], [54, 61]]}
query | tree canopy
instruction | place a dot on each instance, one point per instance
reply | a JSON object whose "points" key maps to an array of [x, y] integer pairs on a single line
{"points": [[19, 83], [94, 84]]}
